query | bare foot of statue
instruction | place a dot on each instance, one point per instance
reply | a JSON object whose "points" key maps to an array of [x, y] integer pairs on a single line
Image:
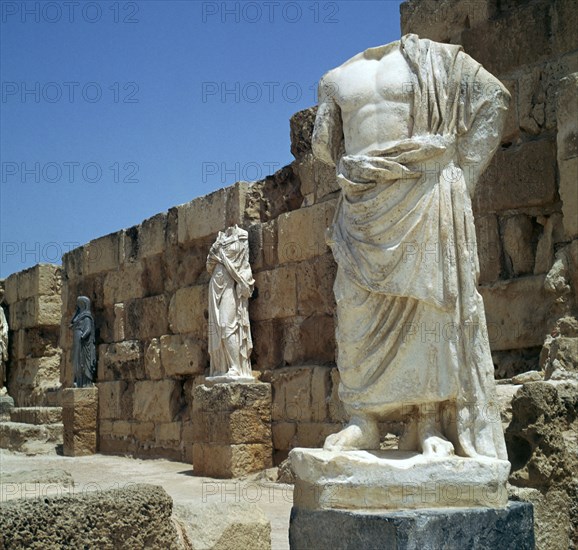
{"points": [[361, 433], [431, 441]]}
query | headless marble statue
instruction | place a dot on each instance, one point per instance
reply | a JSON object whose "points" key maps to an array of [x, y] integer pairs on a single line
{"points": [[3, 345], [230, 287], [410, 126]]}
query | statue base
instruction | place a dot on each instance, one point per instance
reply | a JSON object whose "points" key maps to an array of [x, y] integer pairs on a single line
{"points": [[79, 416], [226, 379], [393, 480], [232, 429], [479, 528]]}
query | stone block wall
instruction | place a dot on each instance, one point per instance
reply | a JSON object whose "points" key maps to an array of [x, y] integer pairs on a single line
{"points": [[149, 289], [33, 309], [526, 202]]}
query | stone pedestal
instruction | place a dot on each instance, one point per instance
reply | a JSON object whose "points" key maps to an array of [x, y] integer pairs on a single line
{"points": [[231, 429], [395, 480], [451, 529], [79, 416]]}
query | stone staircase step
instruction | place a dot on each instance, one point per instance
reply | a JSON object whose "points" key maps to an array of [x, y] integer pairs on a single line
{"points": [[30, 438], [36, 415]]}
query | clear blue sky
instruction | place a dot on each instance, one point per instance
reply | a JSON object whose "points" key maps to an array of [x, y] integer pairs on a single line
{"points": [[114, 111]]}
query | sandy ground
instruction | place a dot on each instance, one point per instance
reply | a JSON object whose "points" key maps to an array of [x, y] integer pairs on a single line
{"points": [[100, 472]]}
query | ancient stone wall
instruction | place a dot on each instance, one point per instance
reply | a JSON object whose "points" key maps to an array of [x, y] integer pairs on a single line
{"points": [[148, 286], [33, 306], [526, 203]]}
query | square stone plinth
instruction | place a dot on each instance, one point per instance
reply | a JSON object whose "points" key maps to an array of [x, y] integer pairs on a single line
{"points": [[393, 480], [451, 529], [80, 416], [231, 429]]}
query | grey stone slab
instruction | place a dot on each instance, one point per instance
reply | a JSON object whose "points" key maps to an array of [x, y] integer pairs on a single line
{"points": [[509, 528]]}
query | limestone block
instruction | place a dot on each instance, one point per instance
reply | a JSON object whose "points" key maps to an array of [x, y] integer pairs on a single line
{"points": [[480, 528], [121, 360], [152, 359], [513, 321], [124, 284], [48, 310], [36, 342], [22, 314], [42, 279], [168, 433], [119, 323], [79, 416], [314, 434], [263, 245], [227, 461], [522, 38], [267, 345], [147, 317], [320, 393], [441, 21], [224, 525], [489, 248], [276, 294], [314, 281], [115, 400], [292, 394], [511, 128], [30, 438], [284, 435], [143, 431], [182, 355], [36, 415], [205, 216], [309, 339], [73, 263], [134, 516], [567, 141], [185, 264], [518, 246], [301, 233], [151, 236], [158, 401], [188, 311], [103, 254], [232, 397], [395, 479], [11, 289], [518, 177], [231, 427], [301, 124]]}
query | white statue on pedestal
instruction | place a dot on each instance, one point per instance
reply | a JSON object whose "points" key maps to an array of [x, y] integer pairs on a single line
{"points": [[231, 285], [3, 346], [410, 126]]}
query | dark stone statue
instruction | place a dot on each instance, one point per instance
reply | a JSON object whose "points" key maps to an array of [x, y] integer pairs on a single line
{"points": [[83, 348]]}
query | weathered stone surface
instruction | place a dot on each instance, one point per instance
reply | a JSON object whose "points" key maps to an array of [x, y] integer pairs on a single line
{"points": [[36, 415], [138, 516], [308, 339], [31, 379], [301, 124], [224, 526], [115, 399], [275, 294], [514, 321], [542, 439], [489, 248], [103, 254], [29, 438], [314, 280], [6, 405], [518, 177], [228, 461], [151, 236], [152, 359], [486, 529], [188, 311], [519, 250], [79, 416], [364, 480], [147, 317], [121, 360], [182, 355], [124, 284], [301, 233], [567, 141], [157, 401]]}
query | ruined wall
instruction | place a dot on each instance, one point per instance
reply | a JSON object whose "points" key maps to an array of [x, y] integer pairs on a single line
{"points": [[33, 306], [148, 285], [520, 218]]}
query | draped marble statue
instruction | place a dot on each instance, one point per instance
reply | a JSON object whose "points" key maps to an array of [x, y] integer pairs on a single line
{"points": [[410, 126], [83, 347], [230, 287], [3, 345]]}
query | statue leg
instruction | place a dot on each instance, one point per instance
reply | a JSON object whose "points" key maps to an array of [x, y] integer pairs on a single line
{"points": [[231, 348]]}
